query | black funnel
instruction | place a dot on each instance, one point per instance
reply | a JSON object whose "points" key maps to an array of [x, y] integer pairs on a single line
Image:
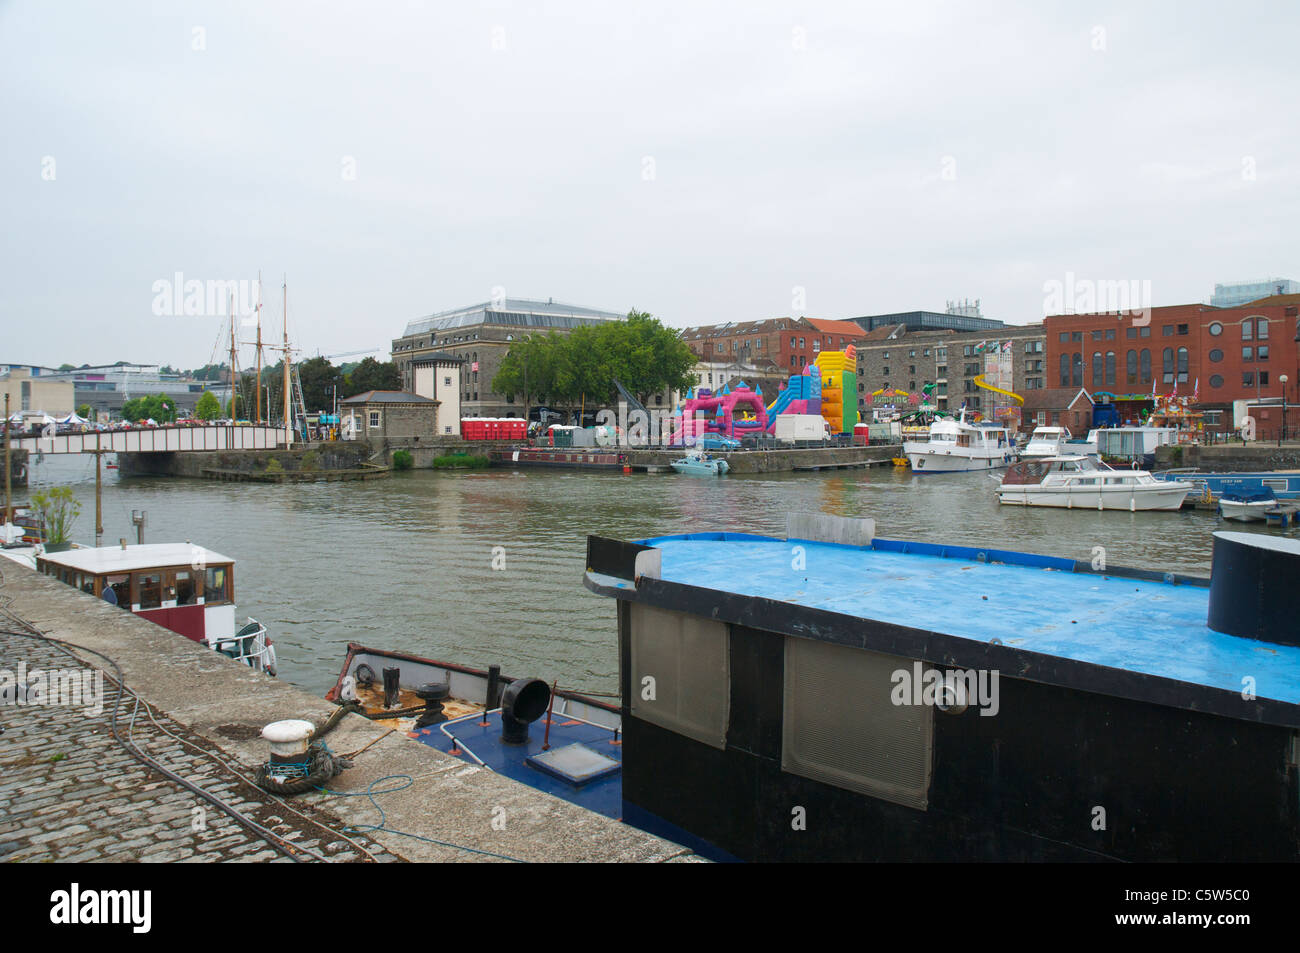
{"points": [[1253, 591], [523, 702]]}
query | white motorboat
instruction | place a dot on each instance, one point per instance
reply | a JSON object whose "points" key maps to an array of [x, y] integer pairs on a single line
{"points": [[1080, 482], [1247, 507], [956, 446], [700, 464], [1046, 442]]}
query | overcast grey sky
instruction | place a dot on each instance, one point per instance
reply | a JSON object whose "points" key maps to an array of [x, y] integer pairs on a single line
{"points": [[700, 161]]}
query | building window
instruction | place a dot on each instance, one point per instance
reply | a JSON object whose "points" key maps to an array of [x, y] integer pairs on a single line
{"points": [[1065, 337], [1216, 356], [1167, 365], [1215, 329], [1182, 365], [1247, 379], [1261, 328], [885, 370], [1077, 371], [1216, 381], [1144, 331], [1096, 368], [801, 342], [1167, 331], [1065, 370], [1110, 334], [1247, 353], [1146, 366], [1130, 332], [1263, 378], [1131, 366], [1261, 353], [1076, 336], [1096, 335], [1247, 330], [1110, 367], [1182, 329], [374, 419]]}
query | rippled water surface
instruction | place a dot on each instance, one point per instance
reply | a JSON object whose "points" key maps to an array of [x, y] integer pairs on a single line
{"points": [[406, 563]]}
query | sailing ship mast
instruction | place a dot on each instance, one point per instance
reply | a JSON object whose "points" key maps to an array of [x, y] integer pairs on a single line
{"points": [[258, 390], [288, 416]]}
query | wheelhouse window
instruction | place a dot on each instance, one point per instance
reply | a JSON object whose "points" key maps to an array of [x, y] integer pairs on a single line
{"points": [[216, 585], [149, 590], [185, 588], [120, 583]]}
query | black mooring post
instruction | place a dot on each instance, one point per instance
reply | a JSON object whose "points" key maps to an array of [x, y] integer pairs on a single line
{"points": [[493, 688], [391, 686]]}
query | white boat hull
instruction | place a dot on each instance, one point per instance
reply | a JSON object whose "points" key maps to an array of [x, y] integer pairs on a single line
{"points": [[1142, 498], [928, 460], [1245, 512]]}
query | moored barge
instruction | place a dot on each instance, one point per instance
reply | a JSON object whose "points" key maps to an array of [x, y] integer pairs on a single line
{"points": [[837, 696]]}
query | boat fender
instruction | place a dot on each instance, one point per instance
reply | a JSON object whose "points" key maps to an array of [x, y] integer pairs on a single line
{"points": [[270, 664]]}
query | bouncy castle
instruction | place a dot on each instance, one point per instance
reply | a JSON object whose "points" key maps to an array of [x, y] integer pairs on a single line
{"points": [[820, 389]]}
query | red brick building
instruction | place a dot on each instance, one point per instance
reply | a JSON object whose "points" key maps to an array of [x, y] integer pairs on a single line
{"points": [[787, 344], [1221, 355]]}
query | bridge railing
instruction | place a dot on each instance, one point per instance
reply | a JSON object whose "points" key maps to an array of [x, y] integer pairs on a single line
{"points": [[157, 440]]}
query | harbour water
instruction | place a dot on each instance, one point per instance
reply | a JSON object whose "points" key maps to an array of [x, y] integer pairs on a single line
{"points": [[486, 567]]}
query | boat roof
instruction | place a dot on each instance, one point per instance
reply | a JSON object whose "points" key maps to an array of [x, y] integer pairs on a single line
{"points": [[106, 559], [1130, 622]]}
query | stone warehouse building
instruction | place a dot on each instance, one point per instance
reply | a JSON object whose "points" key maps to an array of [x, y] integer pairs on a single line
{"points": [[380, 415], [1009, 357], [479, 336]]}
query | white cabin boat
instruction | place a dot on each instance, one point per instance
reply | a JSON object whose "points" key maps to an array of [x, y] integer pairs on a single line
{"points": [[1046, 442], [185, 588], [700, 463], [1080, 482], [956, 446]]}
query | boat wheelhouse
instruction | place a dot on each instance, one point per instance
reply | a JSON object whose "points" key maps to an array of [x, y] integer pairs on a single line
{"points": [[187, 589], [1046, 442], [919, 701], [956, 446], [1080, 482]]}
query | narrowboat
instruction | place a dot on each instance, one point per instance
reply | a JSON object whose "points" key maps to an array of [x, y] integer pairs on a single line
{"points": [[1284, 484], [835, 696], [187, 589]]}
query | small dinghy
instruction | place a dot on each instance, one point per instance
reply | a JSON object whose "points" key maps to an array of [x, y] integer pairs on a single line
{"points": [[700, 464]]}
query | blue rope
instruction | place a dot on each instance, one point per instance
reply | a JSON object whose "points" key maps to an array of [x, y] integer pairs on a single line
{"points": [[370, 793]]}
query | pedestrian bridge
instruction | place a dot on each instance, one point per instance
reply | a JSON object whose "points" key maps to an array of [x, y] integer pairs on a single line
{"points": [[157, 440]]}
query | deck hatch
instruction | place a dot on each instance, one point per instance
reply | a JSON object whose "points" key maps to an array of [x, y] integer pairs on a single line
{"points": [[840, 725], [575, 763], [680, 674]]}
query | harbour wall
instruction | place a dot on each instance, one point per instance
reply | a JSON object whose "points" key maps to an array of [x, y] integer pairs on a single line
{"points": [[1229, 458], [71, 793]]}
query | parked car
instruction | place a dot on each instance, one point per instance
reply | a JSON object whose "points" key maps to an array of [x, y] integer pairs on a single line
{"points": [[716, 441]]}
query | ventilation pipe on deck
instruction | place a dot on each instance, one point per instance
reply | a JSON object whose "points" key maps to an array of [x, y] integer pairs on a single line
{"points": [[523, 702]]}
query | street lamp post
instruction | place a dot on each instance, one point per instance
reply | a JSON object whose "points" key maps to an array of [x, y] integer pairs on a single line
{"points": [[1283, 379]]}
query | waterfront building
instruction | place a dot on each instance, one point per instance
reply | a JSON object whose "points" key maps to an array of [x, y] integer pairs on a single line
{"points": [[106, 387], [479, 337], [382, 415], [1218, 356], [437, 377], [958, 318], [1243, 292], [900, 358], [35, 391]]}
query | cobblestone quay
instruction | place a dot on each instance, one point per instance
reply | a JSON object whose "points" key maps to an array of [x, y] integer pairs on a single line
{"points": [[70, 791]]}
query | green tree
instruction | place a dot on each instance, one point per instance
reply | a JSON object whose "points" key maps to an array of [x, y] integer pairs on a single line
{"points": [[156, 407], [319, 379], [58, 510], [208, 407], [234, 407], [373, 375], [84, 411]]}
